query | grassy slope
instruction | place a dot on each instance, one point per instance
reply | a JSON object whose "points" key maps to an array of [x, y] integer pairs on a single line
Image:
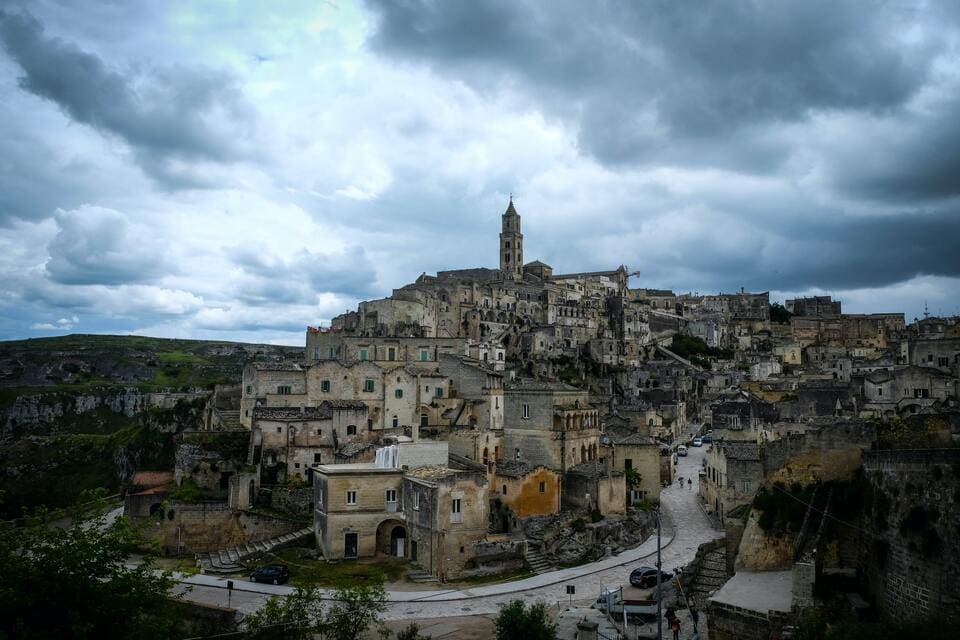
{"points": [[56, 462]]}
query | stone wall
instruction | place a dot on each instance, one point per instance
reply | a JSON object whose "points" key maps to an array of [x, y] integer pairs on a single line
{"points": [[209, 526], [910, 564]]}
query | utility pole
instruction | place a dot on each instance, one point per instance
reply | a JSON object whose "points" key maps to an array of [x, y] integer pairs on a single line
{"points": [[659, 590]]}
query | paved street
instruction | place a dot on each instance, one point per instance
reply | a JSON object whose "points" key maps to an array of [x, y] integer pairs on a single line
{"points": [[687, 529]]}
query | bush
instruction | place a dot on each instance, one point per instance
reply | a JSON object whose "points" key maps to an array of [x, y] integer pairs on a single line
{"points": [[518, 622]]}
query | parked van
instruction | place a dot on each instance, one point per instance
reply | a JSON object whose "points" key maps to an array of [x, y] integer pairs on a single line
{"points": [[682, 450]]}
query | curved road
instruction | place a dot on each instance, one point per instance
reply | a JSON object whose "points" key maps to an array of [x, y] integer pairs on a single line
{"points": [[686, 528]]}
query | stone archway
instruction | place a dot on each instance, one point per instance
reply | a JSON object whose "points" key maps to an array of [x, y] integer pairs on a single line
{"points": [[392, 538]]}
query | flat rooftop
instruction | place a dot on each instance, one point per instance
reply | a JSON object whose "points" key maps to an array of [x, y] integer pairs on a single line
{"points": [[354, 467], [760, 591]]}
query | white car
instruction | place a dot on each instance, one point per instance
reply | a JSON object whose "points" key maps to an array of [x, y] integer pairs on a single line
{"points": [[697, 442], [682, 450]]}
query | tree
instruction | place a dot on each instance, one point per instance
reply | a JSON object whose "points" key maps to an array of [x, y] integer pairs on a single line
{"points": [[356, 607], [779, 313], [633, 480], [518, 622], [74, 582], [298, 615], [412, 632]]}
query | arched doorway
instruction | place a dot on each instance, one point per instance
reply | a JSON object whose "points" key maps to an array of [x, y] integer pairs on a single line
{"points": [[398, 541], [392, 538]]}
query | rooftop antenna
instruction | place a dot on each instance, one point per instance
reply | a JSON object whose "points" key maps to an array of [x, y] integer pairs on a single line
{"points": [[926, 311]]}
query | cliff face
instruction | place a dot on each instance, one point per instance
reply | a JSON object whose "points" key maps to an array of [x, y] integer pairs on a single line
{"points": [[84, 412]]}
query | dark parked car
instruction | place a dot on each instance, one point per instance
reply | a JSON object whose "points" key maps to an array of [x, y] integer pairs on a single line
{"points": [[644, 577], [272, 573], [707, 438]]}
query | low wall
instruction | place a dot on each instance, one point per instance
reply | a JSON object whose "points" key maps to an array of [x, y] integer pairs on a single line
{"points": [[210, 526]]}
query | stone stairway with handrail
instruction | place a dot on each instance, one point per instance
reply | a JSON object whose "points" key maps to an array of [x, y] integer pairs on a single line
{"points": [[234, 559]]}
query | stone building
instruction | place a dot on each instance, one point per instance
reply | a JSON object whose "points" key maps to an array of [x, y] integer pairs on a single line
{"points": [[447, 513], [358, 511], [549, 423], [629, 451], [908, 390], [289, 440], [520, 490]]}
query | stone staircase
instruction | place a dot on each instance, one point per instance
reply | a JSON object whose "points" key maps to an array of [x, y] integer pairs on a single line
{"points": [[537, 561], [229, 419], [235, 559], [710, 576], [421, 576]]}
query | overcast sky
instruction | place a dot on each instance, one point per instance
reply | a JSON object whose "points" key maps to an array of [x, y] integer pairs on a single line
{"points": [[233, 170]]}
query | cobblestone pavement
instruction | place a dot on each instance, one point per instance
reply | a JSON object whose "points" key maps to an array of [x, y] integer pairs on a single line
{"points": [[686, 528]]}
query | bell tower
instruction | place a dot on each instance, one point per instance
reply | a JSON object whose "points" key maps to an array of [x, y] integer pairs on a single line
{"points": [[511, 244]]}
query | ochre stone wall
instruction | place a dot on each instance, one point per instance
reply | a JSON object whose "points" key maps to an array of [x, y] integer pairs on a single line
{"points": [[523, 495]]}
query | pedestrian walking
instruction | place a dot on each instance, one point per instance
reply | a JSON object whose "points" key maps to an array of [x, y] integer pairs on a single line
{"points": [[675, 627], [689, 484], [695, 616], [680, 480]]}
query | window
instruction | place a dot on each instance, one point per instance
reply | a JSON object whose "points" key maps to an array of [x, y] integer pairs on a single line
{"points": [[369, 424], [368, 385], [424, 420], [351, 497], [526, 412], [543, 487], [438, 392], [398, 393], [391, 495], [880, 391], [455, 514], [929, 357], [363, 354], [943, 362], [351, 429], [325, 386], [333, 352], [504, 489], [284, 390], [500, 355], [391, 354], [279, 429], [249, 389], [744, 486], [628, 463], [424, 355], [317, 458], [921, 393], [396, 422], [416, 501]]}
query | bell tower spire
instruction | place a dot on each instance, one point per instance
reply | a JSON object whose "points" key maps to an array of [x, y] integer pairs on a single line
{"points": [[511, 244]]}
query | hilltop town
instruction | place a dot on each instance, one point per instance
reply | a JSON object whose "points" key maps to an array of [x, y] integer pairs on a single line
{"points": [[482, 422]]}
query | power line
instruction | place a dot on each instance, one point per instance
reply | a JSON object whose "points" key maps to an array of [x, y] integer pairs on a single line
{"points": [[824, 513]]}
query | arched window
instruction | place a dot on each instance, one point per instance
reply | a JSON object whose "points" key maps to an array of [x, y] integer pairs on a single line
{"points": [[396, 422]]}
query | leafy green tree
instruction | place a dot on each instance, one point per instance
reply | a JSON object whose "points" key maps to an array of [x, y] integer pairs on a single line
{"points": [[74, 581], [411, 633], [632, 479], [298, 615], [779, 313], [356, 608], [516, 621]]}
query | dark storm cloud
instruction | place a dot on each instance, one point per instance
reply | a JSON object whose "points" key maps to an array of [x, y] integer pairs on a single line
{"points": [[633, 73], [917, 160], [166, 115]]}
